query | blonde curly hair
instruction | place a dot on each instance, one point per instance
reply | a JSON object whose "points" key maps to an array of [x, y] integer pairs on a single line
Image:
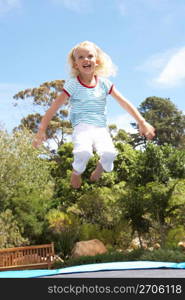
{"points": [[105, 67]]}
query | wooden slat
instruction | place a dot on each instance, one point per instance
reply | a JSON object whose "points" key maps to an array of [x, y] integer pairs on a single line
{"points": [[25, 248], [26, 267], [26, 256]]}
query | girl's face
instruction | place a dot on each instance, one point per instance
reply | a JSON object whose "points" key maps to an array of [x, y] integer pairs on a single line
{"points": [[85, 60]]}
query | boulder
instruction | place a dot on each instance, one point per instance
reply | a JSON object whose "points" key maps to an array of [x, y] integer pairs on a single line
{"points": [[88, 248], [135, 244], [156, 246], [181, 245]]}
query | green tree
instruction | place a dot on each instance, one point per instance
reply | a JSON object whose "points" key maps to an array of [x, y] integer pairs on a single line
{"points": [[26, 185], [158, 164], [168, 120], [10, 232], [123, 136], [177, 205], [63, 228], [100, 206], [134, 209], [161, 206], [112, 129], [153, 180], [150, 166], [64, 194], [175, 161], [125, 162], [174, 236], [42, 97]]}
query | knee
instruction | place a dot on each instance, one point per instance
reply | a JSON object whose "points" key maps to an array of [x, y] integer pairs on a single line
{"points": [[107, 160], [109, 155], [80, 161], [82, 156]]}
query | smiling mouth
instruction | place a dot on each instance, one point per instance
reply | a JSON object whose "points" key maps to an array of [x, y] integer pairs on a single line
{"points": [[86, 66]]}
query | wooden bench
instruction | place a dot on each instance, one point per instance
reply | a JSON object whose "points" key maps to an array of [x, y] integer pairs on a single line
{"points": [[29, 257]]}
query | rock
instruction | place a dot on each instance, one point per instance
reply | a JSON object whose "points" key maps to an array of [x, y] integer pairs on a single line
{"points": [[88, 248], [135, 244], [181, 245], [156, 246]]}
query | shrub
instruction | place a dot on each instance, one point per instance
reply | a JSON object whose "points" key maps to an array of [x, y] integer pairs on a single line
{"points": [[174, 236], [101, 258], [162, 255], [169, 255], [63, 230]]}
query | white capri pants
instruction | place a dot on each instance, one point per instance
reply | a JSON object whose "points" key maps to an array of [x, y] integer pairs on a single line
{"points": [[86, 138]]}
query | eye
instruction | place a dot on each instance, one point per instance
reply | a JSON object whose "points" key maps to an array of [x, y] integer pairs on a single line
{"points": [[80, 57], [90, 56]]}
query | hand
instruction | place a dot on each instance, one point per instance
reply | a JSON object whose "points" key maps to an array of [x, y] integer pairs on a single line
{"points": [[38, 139], [147, 130]]}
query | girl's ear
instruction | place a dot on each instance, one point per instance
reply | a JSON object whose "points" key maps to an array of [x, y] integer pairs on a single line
{"points": [[75, 66], [97, 63]]}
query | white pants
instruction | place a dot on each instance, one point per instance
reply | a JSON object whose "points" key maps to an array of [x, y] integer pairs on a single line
{"points": [[87, 137]]}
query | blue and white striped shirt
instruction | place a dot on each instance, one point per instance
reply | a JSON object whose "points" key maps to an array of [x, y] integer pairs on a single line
{"points": [[88, 103]]}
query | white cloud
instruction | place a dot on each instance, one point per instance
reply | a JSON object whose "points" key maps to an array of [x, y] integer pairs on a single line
{"points": [[173, 74], [167, 68], [155, 62], [79, 6], [123, 122], [7, 5]]}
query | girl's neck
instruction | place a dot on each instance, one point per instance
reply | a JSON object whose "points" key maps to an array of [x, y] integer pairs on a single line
{"points": [[88, 79]]}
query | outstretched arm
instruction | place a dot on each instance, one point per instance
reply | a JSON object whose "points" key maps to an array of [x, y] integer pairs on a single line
{"points": [[144, 127], [41, 136]]}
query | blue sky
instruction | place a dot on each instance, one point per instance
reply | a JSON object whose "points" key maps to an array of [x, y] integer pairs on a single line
{"points": [[145, 39]]}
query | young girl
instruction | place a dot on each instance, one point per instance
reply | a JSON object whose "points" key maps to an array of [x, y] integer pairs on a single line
{"points": [[87, 90]]}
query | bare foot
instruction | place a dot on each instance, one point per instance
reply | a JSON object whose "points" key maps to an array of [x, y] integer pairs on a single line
{"points": [[76, 180], [96, 174]]}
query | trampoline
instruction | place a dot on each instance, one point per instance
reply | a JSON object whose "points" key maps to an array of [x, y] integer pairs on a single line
{"points": [[131, 269]]}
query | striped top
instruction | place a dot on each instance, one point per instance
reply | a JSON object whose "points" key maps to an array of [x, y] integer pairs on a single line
{"points": [[88, 103]]}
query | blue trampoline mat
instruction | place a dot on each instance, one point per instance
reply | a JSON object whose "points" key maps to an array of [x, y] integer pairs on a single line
{"points": [[113, 266]]}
